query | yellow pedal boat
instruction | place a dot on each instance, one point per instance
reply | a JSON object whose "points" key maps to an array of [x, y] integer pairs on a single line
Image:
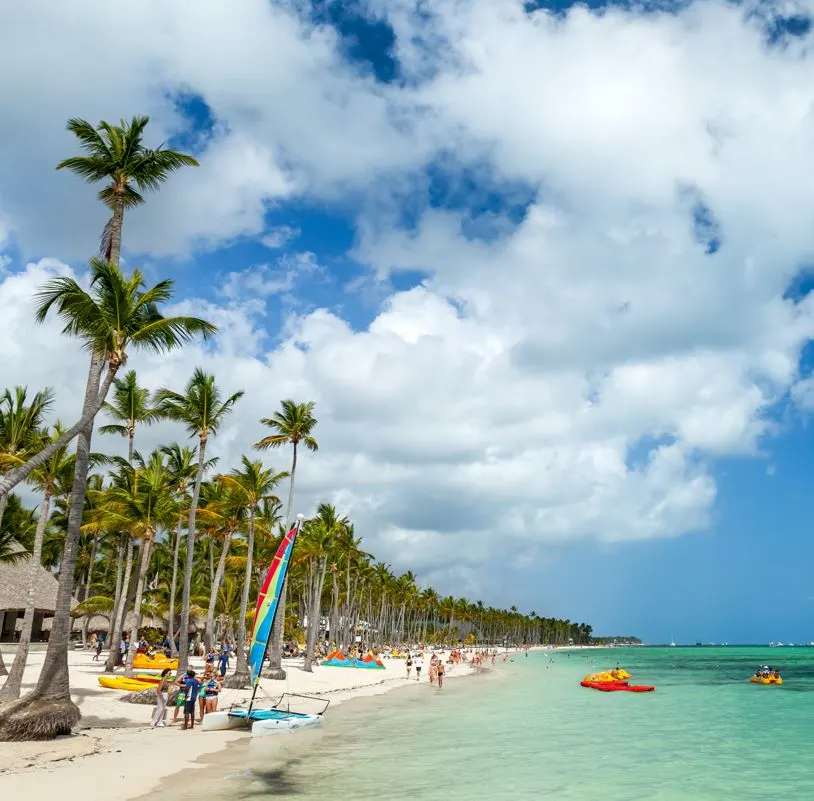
{"points": [[769, 680], [123, 683], [157, 662]]}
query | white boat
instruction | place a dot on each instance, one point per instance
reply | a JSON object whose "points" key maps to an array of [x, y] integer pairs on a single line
{"points": [[265, 720]]}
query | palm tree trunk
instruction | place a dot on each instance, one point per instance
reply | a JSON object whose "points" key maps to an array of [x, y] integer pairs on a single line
{"points": [[89, 410], [117, 596], [183, 651], [240, 678], [117, 623], [49, 711], [86, 594], [11, 689], [173, 587], [131, 436], [275, 670], [116, 222], [146, 548], [209, 634], [314, 615], [3, 502]]}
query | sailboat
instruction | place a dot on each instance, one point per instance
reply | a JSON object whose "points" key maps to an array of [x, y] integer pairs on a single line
{"points": [[282, 715]]}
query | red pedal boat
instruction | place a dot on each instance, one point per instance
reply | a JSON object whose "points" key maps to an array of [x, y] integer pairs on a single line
{"points": [[616, 686]]}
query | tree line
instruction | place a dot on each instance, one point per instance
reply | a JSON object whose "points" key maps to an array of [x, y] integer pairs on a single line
{"points": [[171, 534]]}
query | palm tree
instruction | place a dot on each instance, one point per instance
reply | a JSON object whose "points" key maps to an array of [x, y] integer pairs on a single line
{"points": [[293, 425], [139, 502], [202, 412], [116, 313], [20, 427], [130, 407], [47, 479], [181, 464], [116, 155], [255, 483], [319, 540]]}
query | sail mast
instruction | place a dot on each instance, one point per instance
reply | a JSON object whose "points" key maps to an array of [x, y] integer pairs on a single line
{"points": [[264, 617]]}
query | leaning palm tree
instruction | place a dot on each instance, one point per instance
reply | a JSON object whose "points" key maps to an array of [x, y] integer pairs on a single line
{"points": [[130, 407], [202, 411], [117, 156], [293, 425], [47, 479], [255, 484], [21, 423], [115, 313]]}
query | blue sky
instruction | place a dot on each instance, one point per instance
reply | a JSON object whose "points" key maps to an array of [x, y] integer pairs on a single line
{"points": [[544, 273]]}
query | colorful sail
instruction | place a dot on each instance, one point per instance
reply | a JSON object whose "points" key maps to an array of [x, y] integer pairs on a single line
{"points": [[267, 603]]}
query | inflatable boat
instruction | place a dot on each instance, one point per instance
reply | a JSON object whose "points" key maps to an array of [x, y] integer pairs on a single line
{"points": [[766, 680], [616, 686]]}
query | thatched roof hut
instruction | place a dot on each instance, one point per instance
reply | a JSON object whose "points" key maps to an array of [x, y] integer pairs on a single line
{"points": [[14, 582]]}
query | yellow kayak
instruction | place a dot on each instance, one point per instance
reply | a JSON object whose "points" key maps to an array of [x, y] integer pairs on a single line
{"points": [[157, 662], [770, 680], [123, 683], [609, 676]]}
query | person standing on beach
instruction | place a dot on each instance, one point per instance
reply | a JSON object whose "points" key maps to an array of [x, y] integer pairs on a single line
{"points": [[193, 689], [419, 663], [409, 664], [433, 668], [223, 659], [100, 641], [439, 674], [161, 694]]}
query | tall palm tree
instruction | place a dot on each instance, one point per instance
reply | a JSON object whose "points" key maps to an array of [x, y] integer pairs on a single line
{"points": [[293, 424], [117, 156], [181, 464], [255, 483], [130, 407], [47, 479], [202, 411], [117, 312]]}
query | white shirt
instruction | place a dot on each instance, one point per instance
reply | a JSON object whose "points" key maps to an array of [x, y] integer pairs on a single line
{"points": [[419, 663]]}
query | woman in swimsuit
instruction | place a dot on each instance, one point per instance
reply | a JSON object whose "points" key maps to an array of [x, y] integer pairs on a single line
{"points": [[211, 690], [409, 664]]}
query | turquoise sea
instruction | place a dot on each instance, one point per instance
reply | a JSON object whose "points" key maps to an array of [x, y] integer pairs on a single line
{"points": [[528, 731]]}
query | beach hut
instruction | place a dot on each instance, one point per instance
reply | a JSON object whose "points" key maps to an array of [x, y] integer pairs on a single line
{"points": [[14, 581]]}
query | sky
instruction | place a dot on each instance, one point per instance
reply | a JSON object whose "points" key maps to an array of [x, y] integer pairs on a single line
{"points": [[544, 270]]}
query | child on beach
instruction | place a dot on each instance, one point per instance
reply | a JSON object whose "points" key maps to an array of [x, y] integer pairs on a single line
{"points": [[193, 689]]}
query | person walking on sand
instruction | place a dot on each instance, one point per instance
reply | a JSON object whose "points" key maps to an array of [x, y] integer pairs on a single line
{"points": [[100, 641], [161, 694], [223, 660], [440, 674], [409, 664], [419, 663], [193, 689], [433, 668]]}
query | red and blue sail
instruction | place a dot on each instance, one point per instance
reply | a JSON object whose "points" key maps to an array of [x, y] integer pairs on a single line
{"points": [[267, 602]]}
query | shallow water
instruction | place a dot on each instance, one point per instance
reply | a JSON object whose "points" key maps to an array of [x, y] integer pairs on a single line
{"points": [[530, 731]]}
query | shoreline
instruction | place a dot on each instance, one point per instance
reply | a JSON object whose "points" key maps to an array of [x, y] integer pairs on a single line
{"points": [[115, 738]]}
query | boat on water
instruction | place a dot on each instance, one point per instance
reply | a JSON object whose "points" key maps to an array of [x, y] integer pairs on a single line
{"points": [[282, 715], [617, 686], [766, 675]]}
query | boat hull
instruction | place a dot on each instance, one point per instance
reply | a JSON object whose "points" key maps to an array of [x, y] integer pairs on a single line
{"points": [[756, 680], [616, 686], [125, 684], [262, 722]]}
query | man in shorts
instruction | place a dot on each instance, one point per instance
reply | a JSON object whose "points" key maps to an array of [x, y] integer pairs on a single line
{"points": [[193, 687]]}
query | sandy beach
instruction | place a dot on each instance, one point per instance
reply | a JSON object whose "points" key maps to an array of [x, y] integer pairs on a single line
{"points": [[114, 739]]}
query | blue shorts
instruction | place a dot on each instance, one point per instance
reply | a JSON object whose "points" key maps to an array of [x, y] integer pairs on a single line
{"points": [[189, 707]]}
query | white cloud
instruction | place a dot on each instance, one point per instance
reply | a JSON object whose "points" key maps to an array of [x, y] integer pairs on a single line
{"points": [[279, 237], [572, 378]]}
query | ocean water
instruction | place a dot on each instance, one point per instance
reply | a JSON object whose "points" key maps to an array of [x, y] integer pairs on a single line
{"points": [[529, 731]]}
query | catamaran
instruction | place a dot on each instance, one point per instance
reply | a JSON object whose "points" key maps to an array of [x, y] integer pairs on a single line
{"points": [[289, 711]]}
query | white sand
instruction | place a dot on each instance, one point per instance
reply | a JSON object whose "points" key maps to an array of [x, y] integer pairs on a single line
{"points": [[115, 738]]}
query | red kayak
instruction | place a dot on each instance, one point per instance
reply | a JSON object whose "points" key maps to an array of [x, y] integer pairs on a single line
{"points": [[616, 686]]}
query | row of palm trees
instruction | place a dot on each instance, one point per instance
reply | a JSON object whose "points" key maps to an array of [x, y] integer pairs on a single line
{"points": [[106, 524]]}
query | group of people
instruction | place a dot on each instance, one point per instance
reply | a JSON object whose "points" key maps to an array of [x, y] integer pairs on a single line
{"points": [[194, 691], [436, 671], [767, 672]]}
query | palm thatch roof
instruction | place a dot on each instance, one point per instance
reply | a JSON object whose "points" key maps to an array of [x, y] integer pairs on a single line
{"points": [[14, 580]]}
